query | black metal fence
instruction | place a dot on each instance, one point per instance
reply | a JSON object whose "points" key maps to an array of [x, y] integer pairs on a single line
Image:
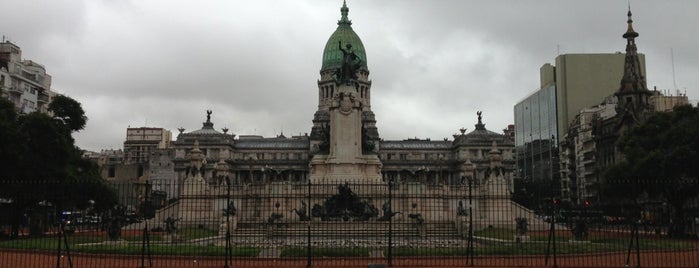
{"points": [[283, 224]]}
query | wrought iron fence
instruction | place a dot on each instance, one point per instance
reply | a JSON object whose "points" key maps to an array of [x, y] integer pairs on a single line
{"points": [[285, 224]]}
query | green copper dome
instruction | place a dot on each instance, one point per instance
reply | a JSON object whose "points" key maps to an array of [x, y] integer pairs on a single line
{"points": [[332, 56]]}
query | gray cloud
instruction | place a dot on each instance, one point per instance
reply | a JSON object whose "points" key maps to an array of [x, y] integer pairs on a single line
{"points": [[433, 63]]}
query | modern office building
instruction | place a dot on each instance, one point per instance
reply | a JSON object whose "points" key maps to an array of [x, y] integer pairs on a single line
{"points": [[576, 82]]}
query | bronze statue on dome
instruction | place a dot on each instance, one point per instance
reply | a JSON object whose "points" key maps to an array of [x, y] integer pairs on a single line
{"points": [[347, 73]]}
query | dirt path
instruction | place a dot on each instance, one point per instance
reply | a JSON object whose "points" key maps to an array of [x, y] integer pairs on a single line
{"points": [[15, 259]]}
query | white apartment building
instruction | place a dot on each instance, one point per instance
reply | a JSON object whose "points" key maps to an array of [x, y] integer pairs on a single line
{"points": [[23, 82]]}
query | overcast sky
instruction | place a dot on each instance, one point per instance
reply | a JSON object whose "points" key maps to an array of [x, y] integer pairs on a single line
{"points": [[255, 63]]}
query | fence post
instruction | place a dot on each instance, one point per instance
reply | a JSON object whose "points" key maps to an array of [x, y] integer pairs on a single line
{"points": [[552, 234], [470, 222], [62, 237], [634, 235], [229, 249], [309, 256], [145, 243], [390, 225]]}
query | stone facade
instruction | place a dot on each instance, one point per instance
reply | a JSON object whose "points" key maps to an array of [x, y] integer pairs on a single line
{"points": [[290, 179]]}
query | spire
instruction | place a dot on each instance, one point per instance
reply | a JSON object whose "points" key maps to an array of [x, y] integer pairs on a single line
{"points": [[633, 95], [344, 10], [633, 80], [630, 33]]}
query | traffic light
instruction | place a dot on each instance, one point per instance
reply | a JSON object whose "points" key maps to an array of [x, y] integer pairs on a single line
{"points": [[556, 201], [587, 203]]}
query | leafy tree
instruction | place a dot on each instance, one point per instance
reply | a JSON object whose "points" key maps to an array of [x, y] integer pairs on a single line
{"points": [[660, 163], [69, 111], [43, 163], [8, 141]]}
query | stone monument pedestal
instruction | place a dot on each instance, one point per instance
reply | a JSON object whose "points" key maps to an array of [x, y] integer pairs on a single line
{"points": [[224, 225], [196, 205], [421, 232], [365, 169], [462, 225], [345, 160]]}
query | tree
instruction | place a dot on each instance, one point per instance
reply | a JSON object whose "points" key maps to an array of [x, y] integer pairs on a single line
{"points": [[660, 162], [42, 163], [69, 111], [8, 141]]}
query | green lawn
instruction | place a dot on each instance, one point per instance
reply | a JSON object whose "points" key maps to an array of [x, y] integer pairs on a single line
{"points": [[497, 233], [326, 252], [537, 246], [84, 244], [177, 249], [195, 233]]}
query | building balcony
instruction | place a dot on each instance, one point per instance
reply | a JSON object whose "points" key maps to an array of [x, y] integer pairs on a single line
{"points": [[13, 90], [585, 161], [43, 97]]}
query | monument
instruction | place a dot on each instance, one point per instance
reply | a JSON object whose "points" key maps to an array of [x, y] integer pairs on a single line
{"points": [[343, 175], [345, 160]]}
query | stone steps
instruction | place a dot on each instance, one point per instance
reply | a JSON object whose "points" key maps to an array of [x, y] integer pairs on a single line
{"points": [[346, 229]]}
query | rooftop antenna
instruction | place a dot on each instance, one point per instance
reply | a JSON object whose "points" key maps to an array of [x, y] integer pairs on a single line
{"points": [[672, 58], [558, 50]]}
